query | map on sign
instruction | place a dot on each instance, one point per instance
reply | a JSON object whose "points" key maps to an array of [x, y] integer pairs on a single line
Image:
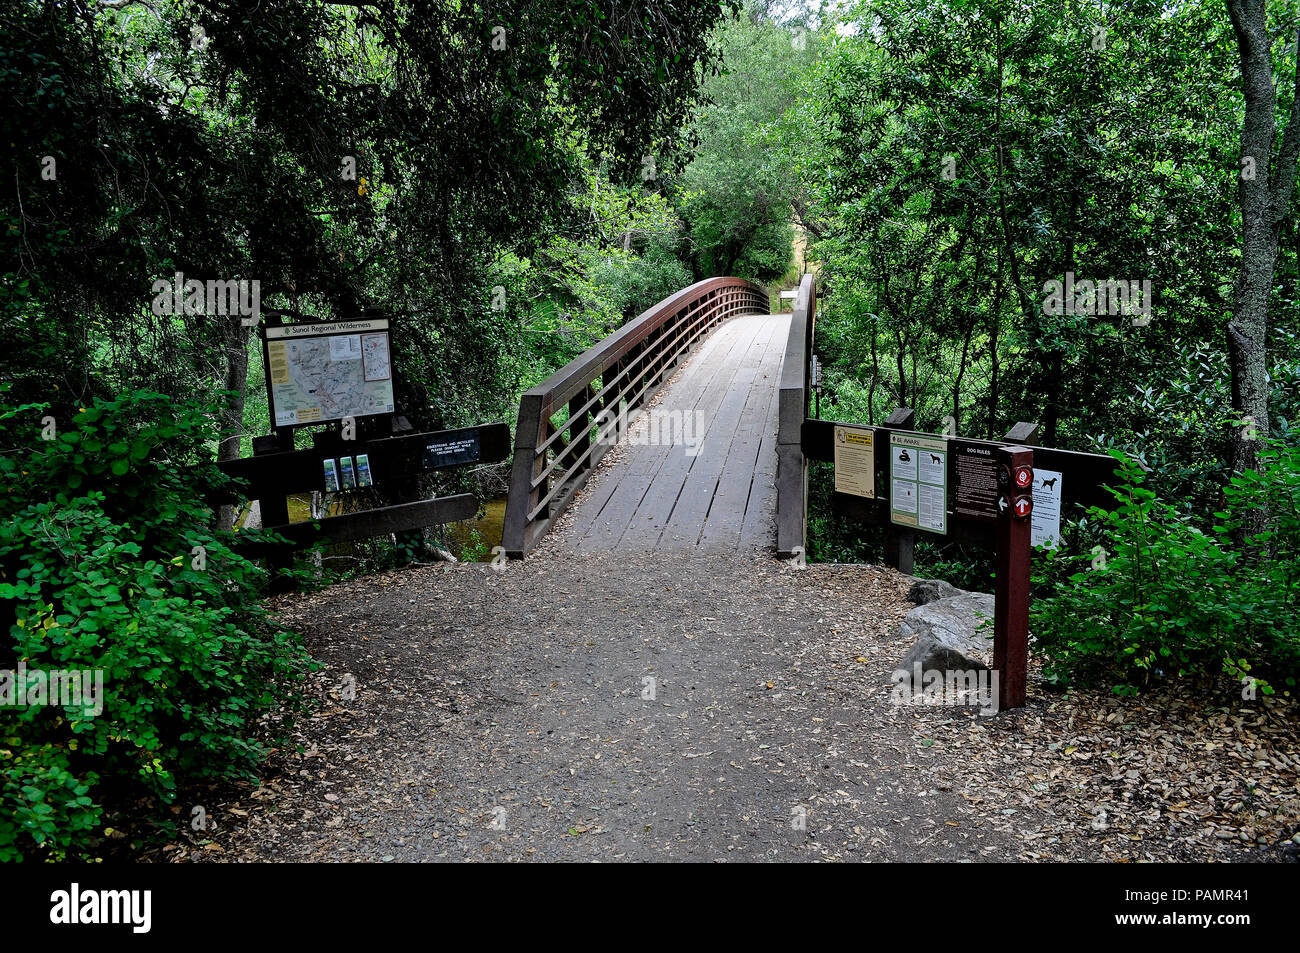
{"points": [[322, 372], [374, 357]]}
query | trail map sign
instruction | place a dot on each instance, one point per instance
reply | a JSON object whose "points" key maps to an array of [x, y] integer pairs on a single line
{"points": [[327, 371], [918, 473], [855, 461]]}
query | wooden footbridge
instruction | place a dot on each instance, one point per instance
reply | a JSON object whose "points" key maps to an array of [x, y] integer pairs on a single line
{"points": [[699, 444], [706, 395]]}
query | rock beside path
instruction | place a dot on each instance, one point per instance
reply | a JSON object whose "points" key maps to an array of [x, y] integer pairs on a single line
{"points": [[925, 591], [946, 634]]}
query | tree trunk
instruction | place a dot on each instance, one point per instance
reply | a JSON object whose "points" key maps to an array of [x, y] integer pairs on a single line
{"points": [[970, 334], [875, 366], [1052, 411], [900, 365], [1017, 288], [996, 326], [1265, 181], [235, 338]]}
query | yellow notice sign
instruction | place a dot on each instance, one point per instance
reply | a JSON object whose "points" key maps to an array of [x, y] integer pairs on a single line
{"points": [[855, 461], [278, 361]]}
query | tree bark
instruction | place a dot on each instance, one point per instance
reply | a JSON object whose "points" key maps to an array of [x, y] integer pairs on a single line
{"points": [[1265, 181], [235, 344], [994, 329], [875, 365], [961, 364]]}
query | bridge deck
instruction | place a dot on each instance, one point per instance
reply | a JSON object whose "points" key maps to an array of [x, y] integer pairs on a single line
{"points": [[698, 471]]}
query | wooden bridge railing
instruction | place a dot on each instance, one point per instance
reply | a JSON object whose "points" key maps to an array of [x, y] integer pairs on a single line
{"points": [[553, 459], [791, 465]]}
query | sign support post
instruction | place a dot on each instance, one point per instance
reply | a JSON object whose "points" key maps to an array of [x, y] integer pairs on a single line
{"points": [[900, 544], [1011, 584]]}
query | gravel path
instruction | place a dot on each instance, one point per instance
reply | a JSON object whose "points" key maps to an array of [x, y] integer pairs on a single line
{"points": [[500, 715]]}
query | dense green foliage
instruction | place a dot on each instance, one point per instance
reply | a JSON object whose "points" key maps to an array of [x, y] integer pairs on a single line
{"points": [[217, 140], [580, 289], [738, 196], [1159, 596], [108, 564], [961, 156]]}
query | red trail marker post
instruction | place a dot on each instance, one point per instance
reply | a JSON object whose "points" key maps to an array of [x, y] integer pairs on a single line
{"points": [[1011, 585]]}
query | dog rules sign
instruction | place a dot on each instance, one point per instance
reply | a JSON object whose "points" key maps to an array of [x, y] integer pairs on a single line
{"points": [[1045, 529]]}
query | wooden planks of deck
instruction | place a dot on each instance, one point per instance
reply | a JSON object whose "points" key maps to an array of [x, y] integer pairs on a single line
{"points": [[698, 471]]}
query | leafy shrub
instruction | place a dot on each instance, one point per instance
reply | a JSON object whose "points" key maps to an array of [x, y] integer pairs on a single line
{"points": [[1166, 596], [628, 284], [101, 570]]}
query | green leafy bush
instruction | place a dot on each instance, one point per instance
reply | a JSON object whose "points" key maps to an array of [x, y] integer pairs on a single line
{"points": [[628, 284], [1164, 596], [108, 565]]}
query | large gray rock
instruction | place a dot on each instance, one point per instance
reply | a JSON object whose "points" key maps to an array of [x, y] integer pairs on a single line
{"points": [[946, 633], [925, 591]]}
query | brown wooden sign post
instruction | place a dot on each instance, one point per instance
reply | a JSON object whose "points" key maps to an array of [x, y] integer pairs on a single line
{"points": [[1011, 582]]}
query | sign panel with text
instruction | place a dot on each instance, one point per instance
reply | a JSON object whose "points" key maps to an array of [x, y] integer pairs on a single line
{"points": [[975, 492], [918, 476], [855, 461], [323, 371], [1046, 528]]}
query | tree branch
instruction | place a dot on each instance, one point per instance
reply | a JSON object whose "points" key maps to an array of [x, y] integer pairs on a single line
{"points": [[1289, 157]]}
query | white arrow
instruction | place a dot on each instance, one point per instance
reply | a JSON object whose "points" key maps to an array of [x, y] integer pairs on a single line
{"points": [[1002, 504]]}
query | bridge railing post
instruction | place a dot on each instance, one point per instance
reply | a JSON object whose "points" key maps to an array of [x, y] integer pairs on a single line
{"points": [[529, 433], [791, 465], [579, 428], [612, 399]]}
